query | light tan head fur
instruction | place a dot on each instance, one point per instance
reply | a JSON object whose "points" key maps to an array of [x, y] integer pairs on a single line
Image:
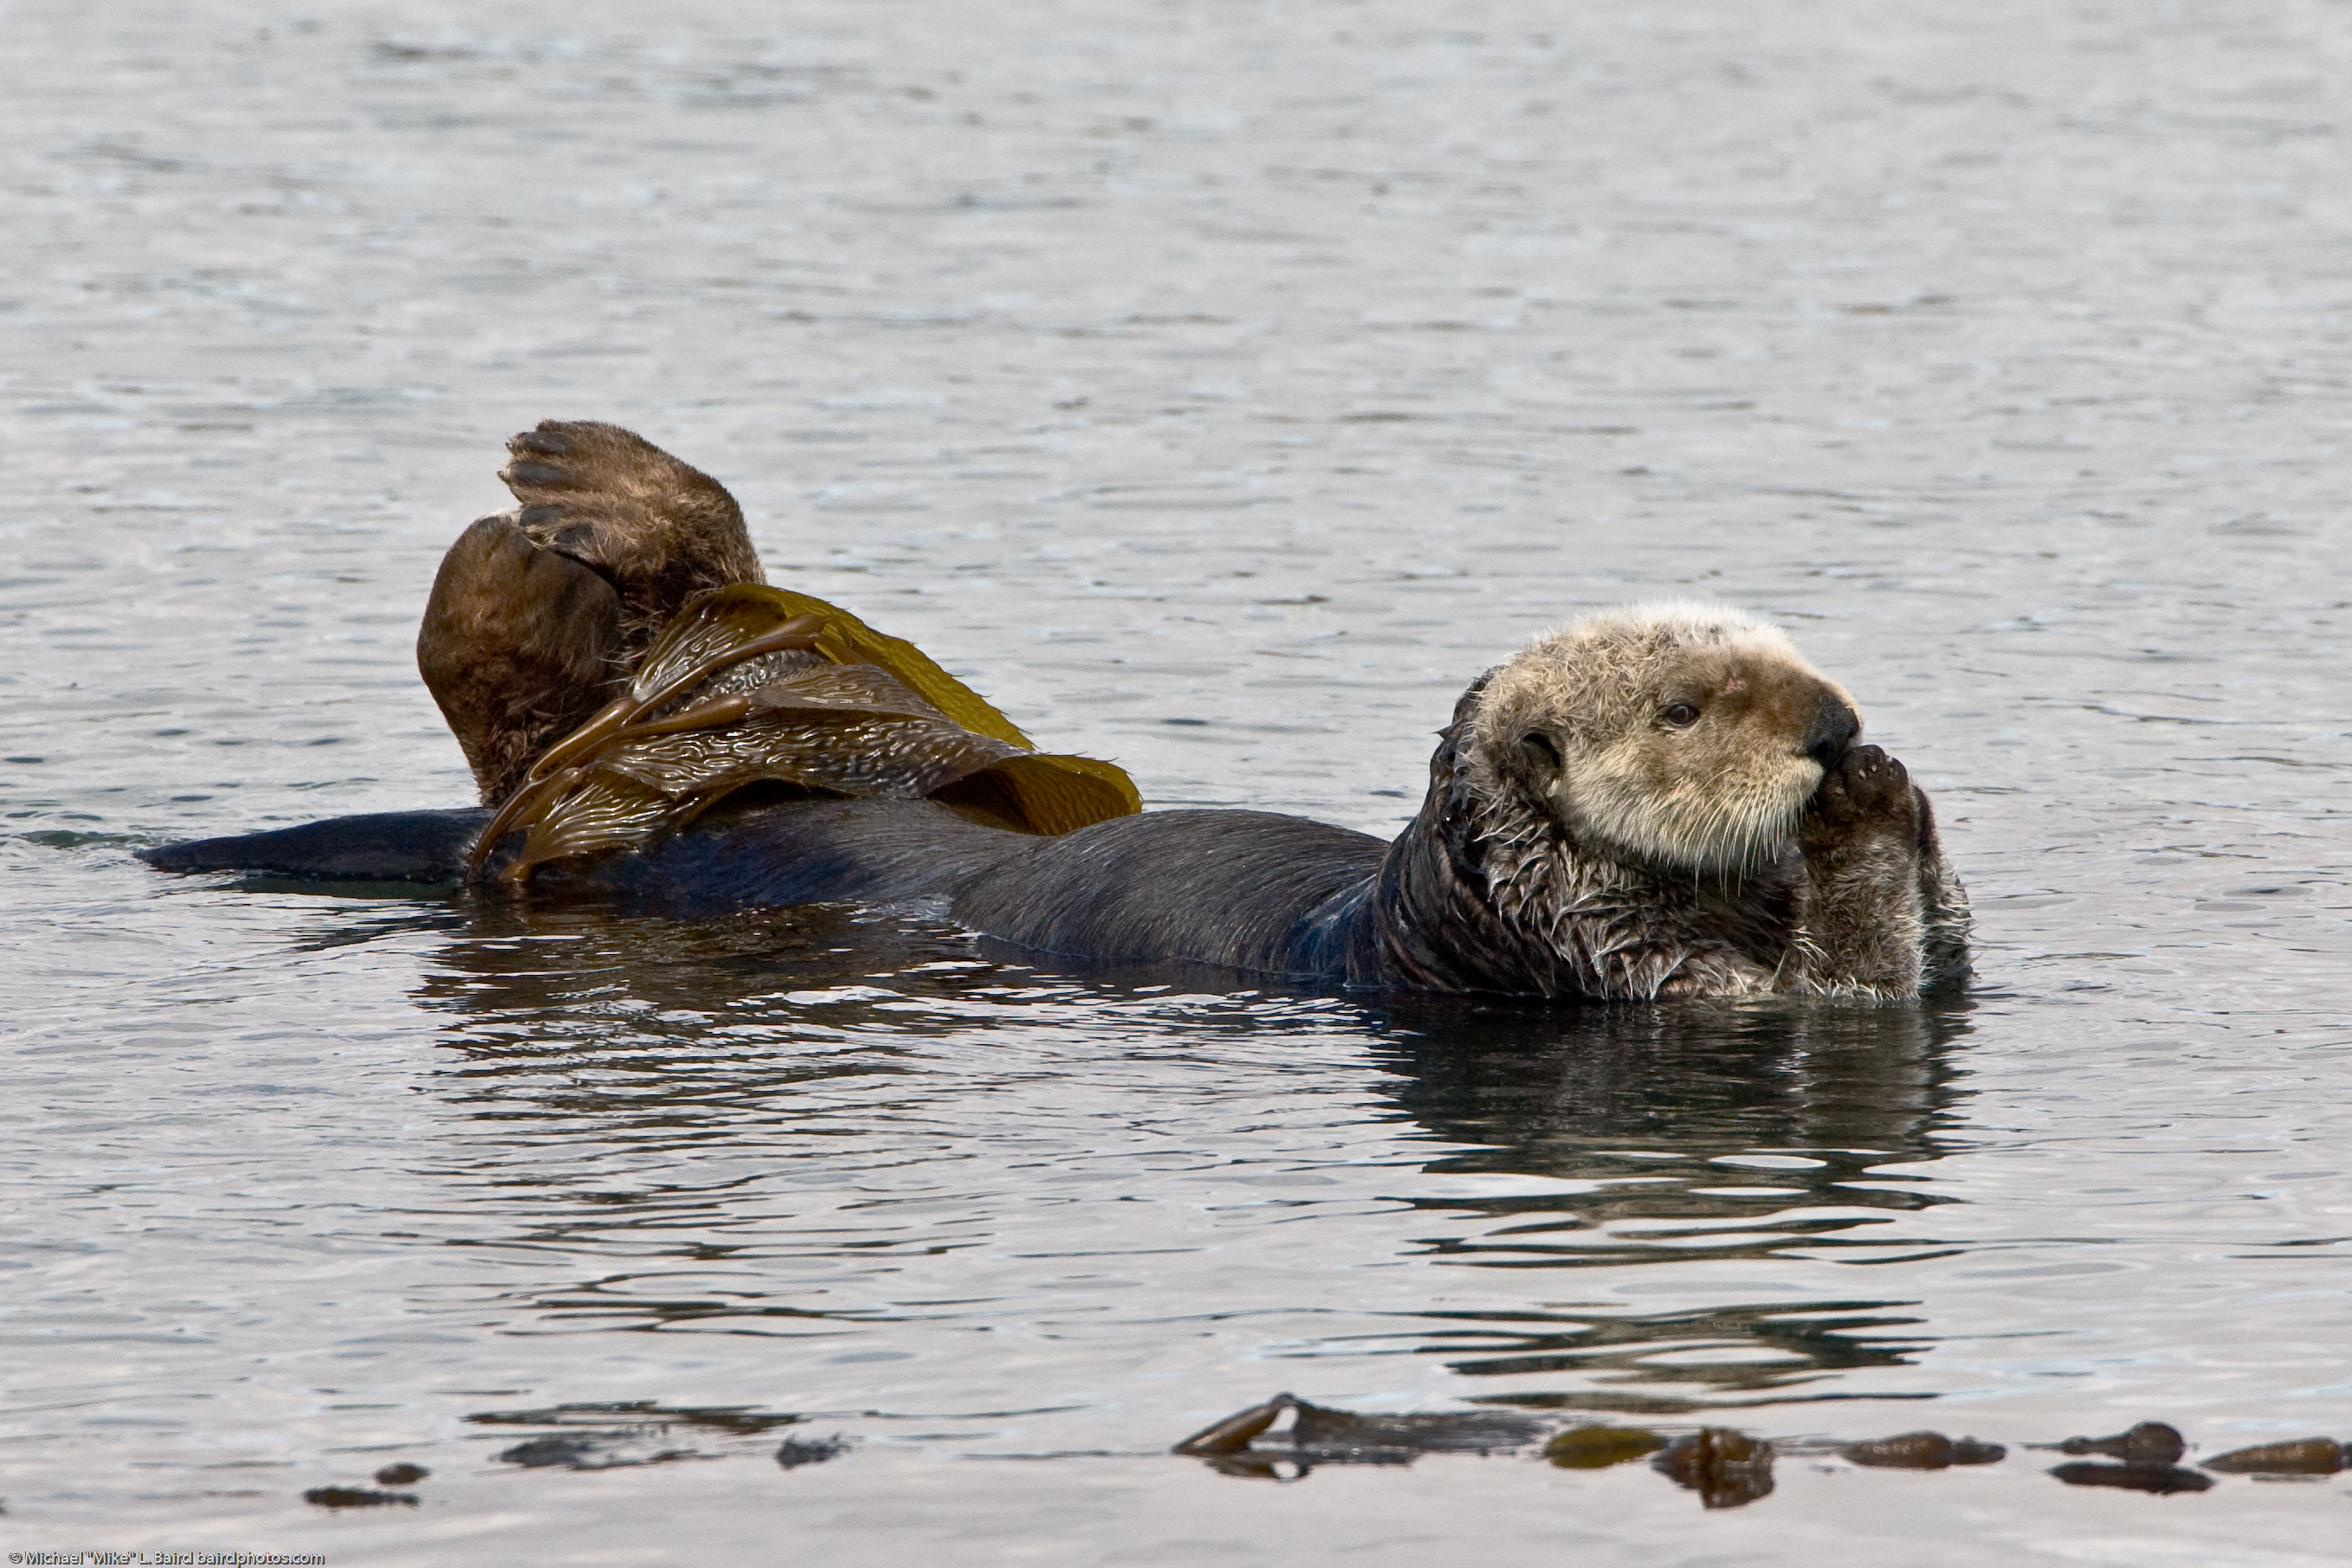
{"points": [[1682, 736]]}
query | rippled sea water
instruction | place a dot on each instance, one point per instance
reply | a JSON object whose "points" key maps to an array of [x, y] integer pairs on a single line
{"points": [[1219, 387]]}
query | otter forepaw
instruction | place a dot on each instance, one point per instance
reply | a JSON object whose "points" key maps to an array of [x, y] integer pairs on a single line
{"points": [[1866, 794]]}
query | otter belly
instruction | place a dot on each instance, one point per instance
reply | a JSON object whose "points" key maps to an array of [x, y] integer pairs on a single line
{"points": [[1247, 890], [824, 850], [1244, 890]]}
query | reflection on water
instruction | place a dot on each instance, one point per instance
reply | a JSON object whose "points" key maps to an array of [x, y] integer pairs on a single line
{"points": [[606, 1436], [1554, 1091], [649, 1090], [1691, 1134]]}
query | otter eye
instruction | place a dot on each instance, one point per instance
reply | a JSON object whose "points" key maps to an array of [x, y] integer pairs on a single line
{"points": [[1682, 715], [1540, 746]]}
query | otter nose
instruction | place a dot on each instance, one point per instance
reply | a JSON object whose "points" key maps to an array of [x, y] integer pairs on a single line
{"points": [[1834, 727]]}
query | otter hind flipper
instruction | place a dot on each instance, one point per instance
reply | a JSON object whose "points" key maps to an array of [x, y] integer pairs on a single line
{"points": [[660, 531], [519, 646], [539, 614], [381, 846]]}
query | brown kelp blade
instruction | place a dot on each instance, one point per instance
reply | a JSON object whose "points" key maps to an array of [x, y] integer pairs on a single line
{"points": [[596, 810], [1058, 793], [556, 772], [852, 713], [728, 617]]}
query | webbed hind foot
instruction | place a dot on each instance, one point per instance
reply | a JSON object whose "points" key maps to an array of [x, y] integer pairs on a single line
{"points": [[539, 615], [657, 530]]}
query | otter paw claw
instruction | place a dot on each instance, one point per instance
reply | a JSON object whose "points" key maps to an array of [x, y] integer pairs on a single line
{"points": [[534, 475], [581, 455], [547, 441]]}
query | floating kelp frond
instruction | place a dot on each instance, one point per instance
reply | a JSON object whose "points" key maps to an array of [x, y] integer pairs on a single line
{"points": [[715, 622], [752, 685]]}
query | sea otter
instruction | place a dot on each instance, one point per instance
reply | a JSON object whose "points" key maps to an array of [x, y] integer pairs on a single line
{"points": [[1658, 801]]}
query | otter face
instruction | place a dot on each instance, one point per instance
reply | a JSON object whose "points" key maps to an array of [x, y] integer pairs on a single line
{"points": [[1679, 736]]}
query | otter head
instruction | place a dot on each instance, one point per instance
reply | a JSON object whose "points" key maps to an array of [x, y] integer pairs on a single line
{"points": [[1677, 737]]}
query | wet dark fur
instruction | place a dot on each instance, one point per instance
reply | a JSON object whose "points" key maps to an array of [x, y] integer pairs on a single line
{"points": [[539, 614], [1244, 890]]}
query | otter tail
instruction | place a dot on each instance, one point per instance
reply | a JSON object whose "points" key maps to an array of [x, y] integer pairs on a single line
{"points": [[383, 846]]}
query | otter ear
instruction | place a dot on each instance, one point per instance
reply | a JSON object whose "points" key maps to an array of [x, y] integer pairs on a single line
{"points": [[1467, 703]]}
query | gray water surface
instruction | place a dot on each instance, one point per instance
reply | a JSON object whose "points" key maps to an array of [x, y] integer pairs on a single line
{"points": [[1218, 387]]}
